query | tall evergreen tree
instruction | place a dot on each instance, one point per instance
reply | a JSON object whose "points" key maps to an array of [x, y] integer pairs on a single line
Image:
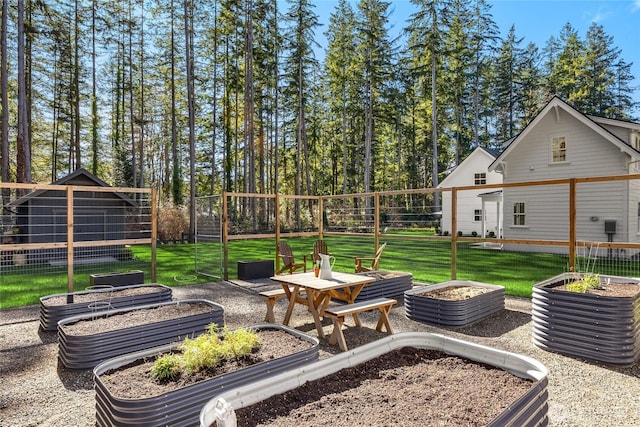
{"points": [[507, 91], [342, 75], [427, 30]]}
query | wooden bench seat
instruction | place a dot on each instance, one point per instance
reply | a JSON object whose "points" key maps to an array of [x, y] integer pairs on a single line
{"points": [[338, 314], [272, 297]]}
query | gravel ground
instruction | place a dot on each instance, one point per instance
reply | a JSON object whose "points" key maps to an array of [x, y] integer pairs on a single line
{"points": [[37, 391]]}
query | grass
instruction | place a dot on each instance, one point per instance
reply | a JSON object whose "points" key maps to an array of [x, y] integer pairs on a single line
{"points": [[429, 260]]}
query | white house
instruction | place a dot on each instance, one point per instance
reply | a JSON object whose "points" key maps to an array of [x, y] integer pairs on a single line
{"points": [[478, 211], [560, 142]]}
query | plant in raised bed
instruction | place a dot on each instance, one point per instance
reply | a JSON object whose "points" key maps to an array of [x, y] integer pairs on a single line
{"points": [[585, 283], [205, 351]]}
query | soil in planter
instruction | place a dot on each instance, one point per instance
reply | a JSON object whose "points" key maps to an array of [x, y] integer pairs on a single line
{"points": [[133, 381], [90, 297], [406, 387], [455, 293], [615, 290], [133, 318]]}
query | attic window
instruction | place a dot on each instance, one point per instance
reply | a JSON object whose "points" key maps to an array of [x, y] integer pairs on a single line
{"points": [[480, 178], [558, 149]]}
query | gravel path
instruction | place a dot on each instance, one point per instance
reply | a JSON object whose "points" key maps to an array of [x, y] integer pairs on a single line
{"points": [[36, 391]]}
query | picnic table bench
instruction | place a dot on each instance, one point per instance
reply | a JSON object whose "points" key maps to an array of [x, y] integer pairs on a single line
{"points": [[338, 314]]}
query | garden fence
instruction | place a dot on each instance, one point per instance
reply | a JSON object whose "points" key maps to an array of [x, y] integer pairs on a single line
{"points": [[530, 229], [62, 232]]}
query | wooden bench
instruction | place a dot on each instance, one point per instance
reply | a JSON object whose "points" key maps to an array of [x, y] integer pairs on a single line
{"points": [[272, 297], [338, 314]]}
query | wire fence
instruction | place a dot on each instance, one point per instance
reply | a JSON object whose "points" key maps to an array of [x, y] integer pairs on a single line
{"points": [[514, 234], [64, 233]]}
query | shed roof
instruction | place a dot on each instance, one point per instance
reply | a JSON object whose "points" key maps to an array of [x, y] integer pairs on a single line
{"points": [[80, 177]]}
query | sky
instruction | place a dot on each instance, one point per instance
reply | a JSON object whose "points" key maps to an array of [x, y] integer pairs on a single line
{"points": [[537, 20]]}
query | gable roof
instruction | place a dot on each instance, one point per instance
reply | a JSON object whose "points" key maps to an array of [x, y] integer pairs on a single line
{"points": [[592, 122], [80, 177], [487, 152]]}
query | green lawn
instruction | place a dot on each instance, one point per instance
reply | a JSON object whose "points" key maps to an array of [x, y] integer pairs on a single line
{"points": [[429, 261]]}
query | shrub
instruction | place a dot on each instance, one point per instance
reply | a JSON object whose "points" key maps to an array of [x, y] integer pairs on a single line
{"points": [[459, 233], [474, 233], [166, 367], [205, 351], [172, 222], [586, 283]]}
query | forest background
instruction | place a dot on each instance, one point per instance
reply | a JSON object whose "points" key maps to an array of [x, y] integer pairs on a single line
{"points": [[195, 97]]}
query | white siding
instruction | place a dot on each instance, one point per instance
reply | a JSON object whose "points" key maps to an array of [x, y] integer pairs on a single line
{"points": [[588, 154], [468, 201]]}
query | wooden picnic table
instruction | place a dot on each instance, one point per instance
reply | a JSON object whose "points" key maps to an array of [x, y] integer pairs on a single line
{"points": [[343, 286]]}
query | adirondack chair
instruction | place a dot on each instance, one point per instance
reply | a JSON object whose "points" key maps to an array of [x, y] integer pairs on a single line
{"points": [[374, 260], [288, 261], [319, 247]]}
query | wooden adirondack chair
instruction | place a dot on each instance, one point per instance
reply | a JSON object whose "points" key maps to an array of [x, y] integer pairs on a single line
{"points": [[288, 261], [374, 260], [319, 247]]}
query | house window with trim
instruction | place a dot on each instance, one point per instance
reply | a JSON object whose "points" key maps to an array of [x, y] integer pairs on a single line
{"points": [[519, 213], [477, 215], [638, 218], [480, 178], [559, 149]]}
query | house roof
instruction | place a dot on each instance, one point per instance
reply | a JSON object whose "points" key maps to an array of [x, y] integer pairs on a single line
{"points": [[81, 177], [593, 122], [479, 150]]}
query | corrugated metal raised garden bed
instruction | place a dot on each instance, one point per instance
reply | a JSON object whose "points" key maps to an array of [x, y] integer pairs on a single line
{"points": [[388, 284], [454, 303], [82, 349], [54, 308], [286, 389], [602, 324], [181, 407]]}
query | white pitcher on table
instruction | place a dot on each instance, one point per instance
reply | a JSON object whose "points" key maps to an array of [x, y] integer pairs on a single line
{"points": [[326, 264]]}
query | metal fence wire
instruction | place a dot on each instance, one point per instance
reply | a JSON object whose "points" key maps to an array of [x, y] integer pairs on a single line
{"points": [[72, 230]]}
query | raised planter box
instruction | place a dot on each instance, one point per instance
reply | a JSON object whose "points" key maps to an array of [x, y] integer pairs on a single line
{"points": [[595, 327], [56, 307], [528, 410], [86, 351], [388, 284], [133, 277], [421, 307], [182, 407]]}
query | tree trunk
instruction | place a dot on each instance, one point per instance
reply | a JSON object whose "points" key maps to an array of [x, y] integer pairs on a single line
{"points": [[4, 89], [188, 29], [23, 160]]}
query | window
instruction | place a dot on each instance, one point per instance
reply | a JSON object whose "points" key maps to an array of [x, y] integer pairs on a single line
{"points": [[559, 149], [477, 215], [480, 178], [518, 213], [639, 218]]}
